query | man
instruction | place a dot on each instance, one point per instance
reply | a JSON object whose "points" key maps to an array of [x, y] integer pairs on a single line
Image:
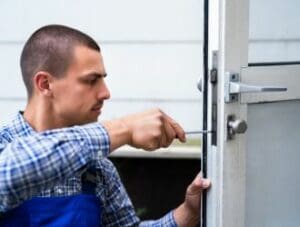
{"points": [[53, 170]]}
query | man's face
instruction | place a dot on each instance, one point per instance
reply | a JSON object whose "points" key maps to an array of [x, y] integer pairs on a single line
{"points": [[79, 96]]}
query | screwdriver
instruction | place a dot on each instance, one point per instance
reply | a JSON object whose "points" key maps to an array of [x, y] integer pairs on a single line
{"points": [[197, 132]]}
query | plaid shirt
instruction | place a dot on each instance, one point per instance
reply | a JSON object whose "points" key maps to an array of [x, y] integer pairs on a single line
{"points": [[51, 163]]}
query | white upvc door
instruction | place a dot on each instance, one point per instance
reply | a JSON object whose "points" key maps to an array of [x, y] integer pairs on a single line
{"points": [[255, 175]]}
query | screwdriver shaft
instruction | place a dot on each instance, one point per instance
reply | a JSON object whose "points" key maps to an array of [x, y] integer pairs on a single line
{"points": [[197, 132]]}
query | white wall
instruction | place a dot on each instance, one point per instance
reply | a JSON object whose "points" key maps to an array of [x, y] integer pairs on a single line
{"points": [[152, 48], [152, 51], [274, 30]]}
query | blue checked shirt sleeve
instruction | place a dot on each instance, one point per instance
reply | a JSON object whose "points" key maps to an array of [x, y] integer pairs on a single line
{"points": [[166, 221], [32, 163]]}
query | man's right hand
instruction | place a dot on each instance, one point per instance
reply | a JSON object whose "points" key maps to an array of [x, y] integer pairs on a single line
{"points": [[148, 130]]}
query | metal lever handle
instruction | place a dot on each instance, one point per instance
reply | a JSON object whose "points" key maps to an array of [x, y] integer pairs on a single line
{"points": [[233, 87], [236, 87]]}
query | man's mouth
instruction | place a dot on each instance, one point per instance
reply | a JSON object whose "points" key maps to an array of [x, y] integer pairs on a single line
{"points": [[97, 108]]}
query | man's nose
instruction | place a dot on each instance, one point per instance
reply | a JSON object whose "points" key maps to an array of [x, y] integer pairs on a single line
{"points": [[103, 91]]}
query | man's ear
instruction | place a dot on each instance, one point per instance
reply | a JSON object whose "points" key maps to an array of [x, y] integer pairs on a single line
{"points": [[42, 83]]}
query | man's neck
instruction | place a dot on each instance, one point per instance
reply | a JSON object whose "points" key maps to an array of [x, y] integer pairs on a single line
{"points": [[40, 116]]}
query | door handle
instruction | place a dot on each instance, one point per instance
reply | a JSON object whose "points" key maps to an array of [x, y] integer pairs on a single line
{"points": [[236, 88], [235, 126], [233, 87]]}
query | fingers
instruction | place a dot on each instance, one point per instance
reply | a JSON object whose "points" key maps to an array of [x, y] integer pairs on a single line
{"points": [[179, 132], [193, 194], [198, 185], [169, 129], [168, 134], [151, 129]]}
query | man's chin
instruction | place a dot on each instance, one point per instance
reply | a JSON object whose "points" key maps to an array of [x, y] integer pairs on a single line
{"points": [[87, 121], [91, 120]]}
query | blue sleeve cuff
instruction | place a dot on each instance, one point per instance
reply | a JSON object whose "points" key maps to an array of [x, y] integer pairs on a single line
{"points": [[166, 221]]}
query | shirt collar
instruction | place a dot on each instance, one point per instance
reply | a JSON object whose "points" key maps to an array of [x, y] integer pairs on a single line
{"points": [[20, 127]]}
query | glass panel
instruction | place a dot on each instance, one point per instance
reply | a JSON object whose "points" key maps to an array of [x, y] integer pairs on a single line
{"points": [[272, 165], [274, 35]]}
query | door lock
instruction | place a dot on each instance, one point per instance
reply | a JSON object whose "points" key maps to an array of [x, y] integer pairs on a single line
{"points": [[235, 126]]}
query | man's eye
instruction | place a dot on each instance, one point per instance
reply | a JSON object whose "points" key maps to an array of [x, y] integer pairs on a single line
{"points": [[93, 81]]}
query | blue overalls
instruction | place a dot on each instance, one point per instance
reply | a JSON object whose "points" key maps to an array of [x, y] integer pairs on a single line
{"points": [[63, 211]]}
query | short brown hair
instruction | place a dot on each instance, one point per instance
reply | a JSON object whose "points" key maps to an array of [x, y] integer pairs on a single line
{"points": [[50, 49]]}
